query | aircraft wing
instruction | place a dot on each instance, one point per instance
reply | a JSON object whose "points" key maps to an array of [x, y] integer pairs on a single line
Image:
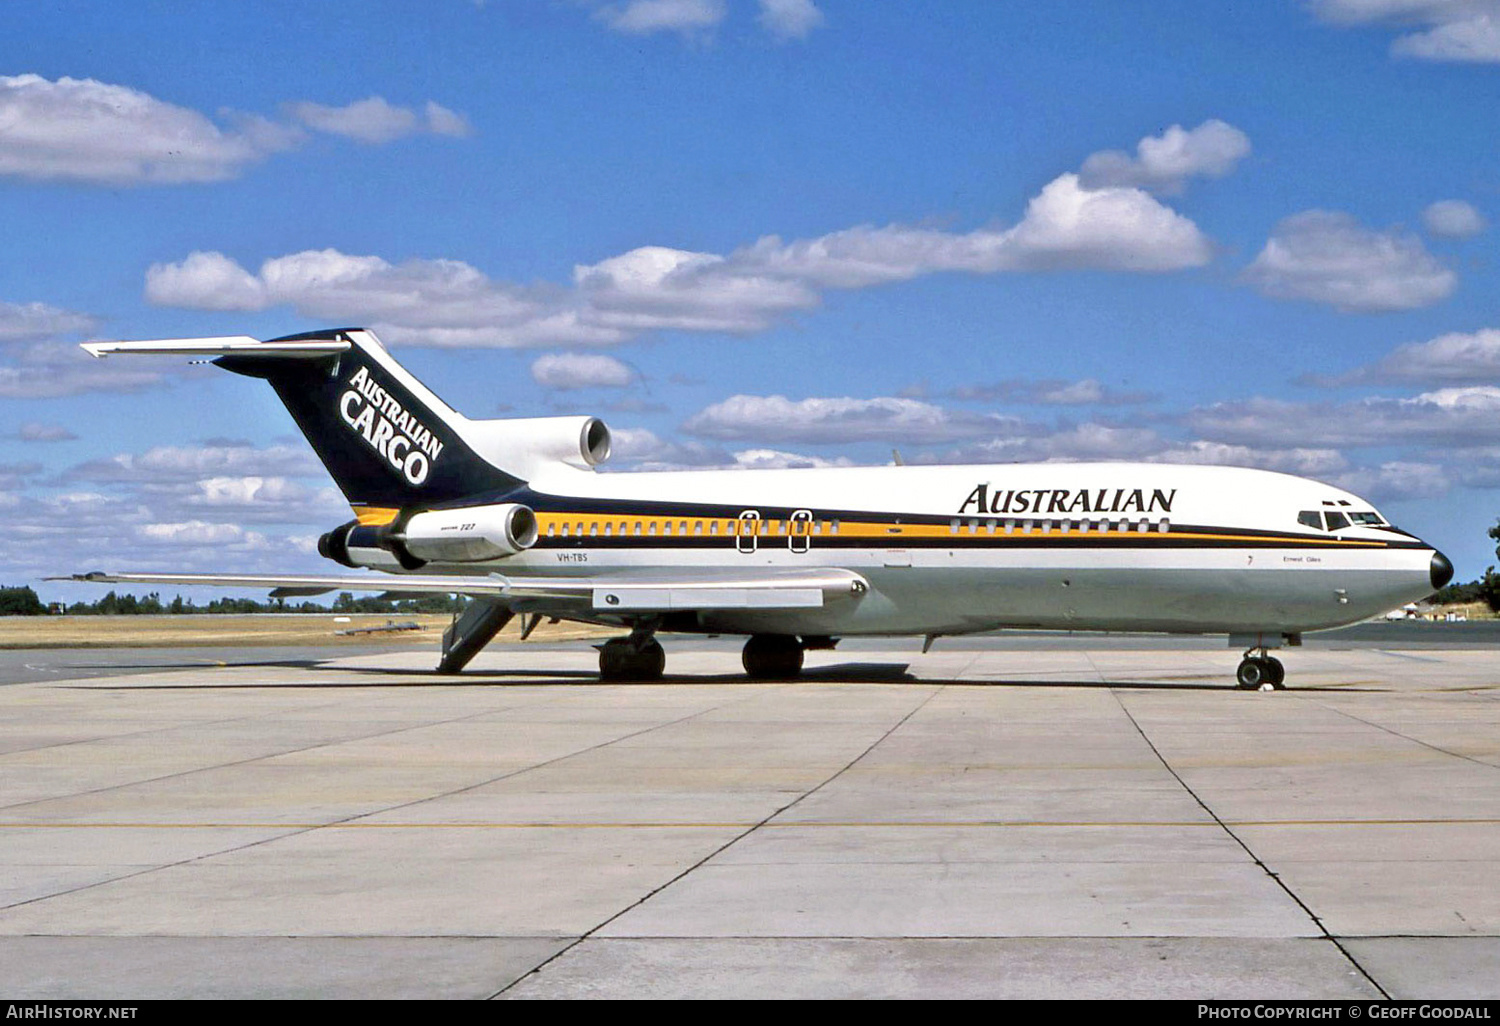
{"points": [[620, 591]]}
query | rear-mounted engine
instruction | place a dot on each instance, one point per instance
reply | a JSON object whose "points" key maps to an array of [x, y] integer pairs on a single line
{"points": [[471, 534]]}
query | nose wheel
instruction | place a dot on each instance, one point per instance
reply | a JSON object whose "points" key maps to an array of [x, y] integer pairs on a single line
{"points": [[1260, 673]]}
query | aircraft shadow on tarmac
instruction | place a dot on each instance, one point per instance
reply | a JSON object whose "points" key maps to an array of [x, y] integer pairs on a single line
{"points": [[856, 673]]}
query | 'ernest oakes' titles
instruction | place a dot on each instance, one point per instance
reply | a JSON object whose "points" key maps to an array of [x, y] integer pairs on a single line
{"points": [[407, 445], [1068, 500]]}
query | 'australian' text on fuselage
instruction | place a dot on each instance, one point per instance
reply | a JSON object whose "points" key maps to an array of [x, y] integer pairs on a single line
{"points": [[1068, 500]]}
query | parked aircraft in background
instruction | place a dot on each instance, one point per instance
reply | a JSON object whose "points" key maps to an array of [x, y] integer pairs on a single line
{"points": [[513, 514]]}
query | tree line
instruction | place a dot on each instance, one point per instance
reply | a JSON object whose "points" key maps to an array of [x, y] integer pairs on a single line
{"points": [[23, 601]]}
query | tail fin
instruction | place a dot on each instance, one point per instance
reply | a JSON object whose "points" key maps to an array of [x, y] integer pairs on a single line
{"points": [[386, 439]]}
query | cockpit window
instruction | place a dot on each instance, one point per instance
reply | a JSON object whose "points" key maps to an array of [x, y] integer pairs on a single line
{"points": [[1367, 519], [1311, 518], [1336, 521]]}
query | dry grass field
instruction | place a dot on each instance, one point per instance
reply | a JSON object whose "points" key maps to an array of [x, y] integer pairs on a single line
{"points": [[260, 629]]}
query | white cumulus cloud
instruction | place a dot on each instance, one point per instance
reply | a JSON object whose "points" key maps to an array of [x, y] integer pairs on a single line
{"points": [[36, 431], [88, 131], [1463, 417], [83, 130], [819, 421], [564, 371], [1164, 163], [374, 120], [789, 19], [643, 17], [33, 322], [1453, 219], [1447, 30], [1329, 257], [439, 302], [1453, 359]]}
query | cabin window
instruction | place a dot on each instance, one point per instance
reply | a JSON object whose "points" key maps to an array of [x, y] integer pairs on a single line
{"points": [[713, 527], [953, 526], [1143, 525], [551, 530], [608, 529], [973, 527], [682, 527], [651, 528], [1336, 520], [990, 526], [1010, 527], [1310, 518], [564, 530], [1065, 526], [593, 530], [1164, 525], [833, 528], [697, 527]]}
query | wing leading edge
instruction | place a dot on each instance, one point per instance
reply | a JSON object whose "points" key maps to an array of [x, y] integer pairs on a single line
{"points": [[625, 593]]}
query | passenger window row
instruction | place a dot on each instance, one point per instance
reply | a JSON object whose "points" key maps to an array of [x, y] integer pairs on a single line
{"points": [[684, 528], [975, 525]]}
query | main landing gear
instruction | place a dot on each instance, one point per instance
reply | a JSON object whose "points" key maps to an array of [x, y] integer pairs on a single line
{"points": [[772, 656], [766, 656], [1260, 672], [638, 657]]}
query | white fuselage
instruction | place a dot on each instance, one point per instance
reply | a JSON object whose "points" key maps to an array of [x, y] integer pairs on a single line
{"points": [[952, 549]]}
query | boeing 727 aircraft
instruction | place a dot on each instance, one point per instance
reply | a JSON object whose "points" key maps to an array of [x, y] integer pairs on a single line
{"points": [[513, 514]]}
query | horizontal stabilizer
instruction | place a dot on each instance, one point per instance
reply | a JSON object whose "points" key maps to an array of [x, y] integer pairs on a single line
{"points": [[619, 592], [229, 345]]}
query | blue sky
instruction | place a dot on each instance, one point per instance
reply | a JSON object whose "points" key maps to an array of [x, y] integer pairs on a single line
{"points": [[750, 233]]}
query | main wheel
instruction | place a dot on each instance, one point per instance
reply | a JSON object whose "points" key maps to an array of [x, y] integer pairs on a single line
{"points": [[614, 659], [772, 656], [620, 660], [650, 661], [1278, 673], [1252, 673]]}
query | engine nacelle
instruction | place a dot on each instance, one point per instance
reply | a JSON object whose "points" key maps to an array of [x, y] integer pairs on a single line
{"points": [[471, 534], [528, 445]]}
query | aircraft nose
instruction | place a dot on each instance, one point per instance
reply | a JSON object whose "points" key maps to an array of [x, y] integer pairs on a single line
{"points": [[1441, 570]]}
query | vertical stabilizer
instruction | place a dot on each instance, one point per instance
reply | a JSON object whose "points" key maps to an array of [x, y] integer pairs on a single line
{"points": [[388, 441]]}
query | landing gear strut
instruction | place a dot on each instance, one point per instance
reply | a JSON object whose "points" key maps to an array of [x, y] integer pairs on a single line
{"points": [[772, 656], [638, 657], [1260, 672]]}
